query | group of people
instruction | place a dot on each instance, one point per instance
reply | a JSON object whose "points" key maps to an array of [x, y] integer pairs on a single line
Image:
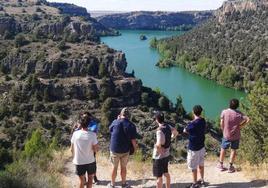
{"points": [[123, 143]]}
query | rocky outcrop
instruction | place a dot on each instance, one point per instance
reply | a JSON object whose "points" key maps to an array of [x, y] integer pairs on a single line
{"points": [[238, 6], [153, 20], [8, 24], [71, 9]]}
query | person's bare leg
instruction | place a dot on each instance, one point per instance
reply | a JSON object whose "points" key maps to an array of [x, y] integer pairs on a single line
{"points": [[81, 181], [194, 174], [167, 175], [232, 156], [201, 172], [89, 181], [113, 175], [123, 174], [222, 155], [159, 182]]}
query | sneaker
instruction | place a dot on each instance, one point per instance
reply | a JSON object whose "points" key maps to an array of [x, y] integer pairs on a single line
{"points": [[110, 185], [202, 183], [231, 169], [221, 167], [96, 181], [193, 185], [126, 185]]}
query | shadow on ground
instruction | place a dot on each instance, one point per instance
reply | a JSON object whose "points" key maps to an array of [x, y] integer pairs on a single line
{"points": [[252, 184]]}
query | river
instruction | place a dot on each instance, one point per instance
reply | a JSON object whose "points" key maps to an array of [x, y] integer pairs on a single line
{"points": [[171, 81]]}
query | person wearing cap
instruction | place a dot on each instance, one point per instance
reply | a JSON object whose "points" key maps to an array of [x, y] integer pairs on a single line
{"points": [[196, 148], [123, 132], [161, 151]]}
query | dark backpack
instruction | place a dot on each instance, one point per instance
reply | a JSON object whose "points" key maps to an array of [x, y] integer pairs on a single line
{"points": [[167, 132], [131, 148]]}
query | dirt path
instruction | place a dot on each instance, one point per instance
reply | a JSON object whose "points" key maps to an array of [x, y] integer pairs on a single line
{"points": [[140, 175]]}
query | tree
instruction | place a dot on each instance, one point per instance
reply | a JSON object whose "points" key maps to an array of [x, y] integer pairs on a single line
{"points": [[254, 142], [102, 70], [179, 107], [106, 115], [35, 145], [163, 103], [153, 43], [145, 98]]}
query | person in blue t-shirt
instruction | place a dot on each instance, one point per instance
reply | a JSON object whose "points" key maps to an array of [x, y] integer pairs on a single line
{"points": [[196, 148], [123, 132]]}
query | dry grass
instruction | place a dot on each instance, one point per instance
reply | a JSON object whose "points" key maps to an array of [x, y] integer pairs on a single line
{"points": [[259, 172]]}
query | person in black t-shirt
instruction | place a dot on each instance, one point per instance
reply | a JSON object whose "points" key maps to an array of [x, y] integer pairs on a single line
{"points": [[196, 148]]}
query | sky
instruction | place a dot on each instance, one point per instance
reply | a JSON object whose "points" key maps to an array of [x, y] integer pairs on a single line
{"points": [[151, 5]]}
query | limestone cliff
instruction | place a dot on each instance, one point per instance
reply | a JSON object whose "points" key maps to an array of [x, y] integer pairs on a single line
{"points": [[154, 20]]}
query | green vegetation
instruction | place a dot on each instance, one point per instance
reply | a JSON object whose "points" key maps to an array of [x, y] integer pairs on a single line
{"points": [[233, 53], [255, 135], [34, 162]]}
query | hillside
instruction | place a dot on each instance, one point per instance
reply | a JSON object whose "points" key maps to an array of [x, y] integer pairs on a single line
{"points": [[52, 67], [230, 48], [155, 20]]}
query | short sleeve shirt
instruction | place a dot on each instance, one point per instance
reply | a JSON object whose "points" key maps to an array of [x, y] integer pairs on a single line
{"points": [[160, 138], [196, 130], [231, 122], [83, 142], [122, 132]]}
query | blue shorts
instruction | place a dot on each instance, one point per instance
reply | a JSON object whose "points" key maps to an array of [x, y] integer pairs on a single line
{"points": [[225, 144]]}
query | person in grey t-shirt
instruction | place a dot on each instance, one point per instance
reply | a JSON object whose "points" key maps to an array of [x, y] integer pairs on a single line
{"points": [[161, 153]]}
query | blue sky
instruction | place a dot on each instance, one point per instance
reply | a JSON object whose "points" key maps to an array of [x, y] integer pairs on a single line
{"points": [[152, 5]]}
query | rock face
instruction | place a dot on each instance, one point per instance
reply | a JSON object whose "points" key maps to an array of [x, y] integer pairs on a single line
{"points": [[230, 7], [70, 9], [8, 24], [153, 20]]}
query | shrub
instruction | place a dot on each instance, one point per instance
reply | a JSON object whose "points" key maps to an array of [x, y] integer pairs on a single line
{"points": [[38, 9], [254, 141], [35, 17], [179, 107], [62, 45], [163, 103], [102, 70], [34, 146], [20, 40]]}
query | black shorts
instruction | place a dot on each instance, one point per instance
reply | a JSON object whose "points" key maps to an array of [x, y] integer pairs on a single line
{"points": [[160, 166], [81, 170]]}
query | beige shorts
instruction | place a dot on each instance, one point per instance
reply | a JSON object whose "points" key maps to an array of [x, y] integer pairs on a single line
{"points": [[196, 158], [119, 157]]}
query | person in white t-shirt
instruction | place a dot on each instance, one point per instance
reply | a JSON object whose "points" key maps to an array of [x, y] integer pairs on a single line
{"points": [[83, 145]]}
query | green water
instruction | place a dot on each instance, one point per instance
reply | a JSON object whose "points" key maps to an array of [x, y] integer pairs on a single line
{"points": [[172, 81]]}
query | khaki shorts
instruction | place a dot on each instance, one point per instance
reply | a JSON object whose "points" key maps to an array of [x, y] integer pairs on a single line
{"points": [[119, 157], [196, 158]]}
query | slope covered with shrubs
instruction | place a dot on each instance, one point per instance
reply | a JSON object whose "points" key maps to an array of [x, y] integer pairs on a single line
{"points": [[230, 48]]}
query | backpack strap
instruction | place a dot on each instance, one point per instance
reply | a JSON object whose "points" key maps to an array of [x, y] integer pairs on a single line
{"points": [[167, 132]]}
